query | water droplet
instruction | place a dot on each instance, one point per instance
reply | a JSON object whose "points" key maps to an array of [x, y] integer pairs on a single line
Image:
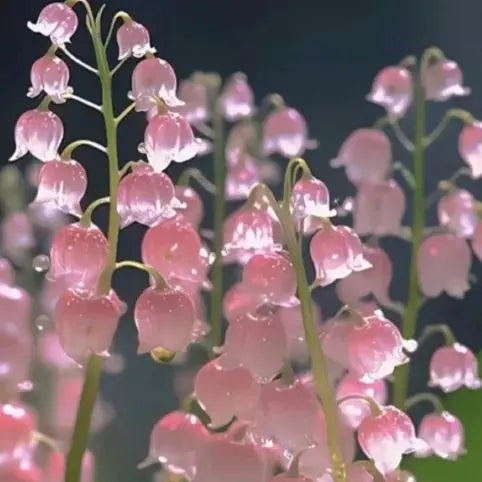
{"points": [[41, 263], [43, 322]]}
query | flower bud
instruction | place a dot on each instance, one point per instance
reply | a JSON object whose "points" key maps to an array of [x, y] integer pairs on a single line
{"points": [[457, 212], [237, 98], [133, 40], [51, 75], [442, 80], [195, 98], [191, 205], [470, 147]]}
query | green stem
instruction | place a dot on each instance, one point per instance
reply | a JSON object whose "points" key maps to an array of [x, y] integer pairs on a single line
{"points": [[156, 276], [94, 366], [67, 152], [219, 212], [418, 220], [425, 397]]}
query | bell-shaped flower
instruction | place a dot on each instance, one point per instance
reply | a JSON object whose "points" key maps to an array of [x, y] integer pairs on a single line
{"points": [[444, 435], [62, 184], [470, 147], [145, 196], [51, 75], [195, 97], [78, 255], [366, 155], [336, 251], [392, 89], [86, 325], [190, 205], [453, 367], [173, 248], [477, 241], [55, 467], [153, 79], [39, 132], [272, 277], [375, 347], [225, 393], [23, 470], [58, 21], [133, 40], [443, 79], [379, 208], [257, 342], [238, 143], [168, 137], [239, 300], [387, 435], [17, 236], [240, 180], [355, 410], [457, 212], [237, 98], [285, 132], [175, 441], [443, 264], [164, 319]]}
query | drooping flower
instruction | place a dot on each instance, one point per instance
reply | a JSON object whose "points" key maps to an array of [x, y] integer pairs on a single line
{"points": [[240, 180], [17, 235], [62, 184], [470, 147], [195, 97], [238, 143], [153, 79], [392, 89], [452, 367], [191, 206], [443, 264], [443, 434], [239, 300], [285, 132], [57, 21], [133, 40], [237, 98], [457, 212], [169, 137], [443, 79], [55, 467], [39, 132], [51, 75]]}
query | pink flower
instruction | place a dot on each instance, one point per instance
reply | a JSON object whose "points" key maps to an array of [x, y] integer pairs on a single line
{"points": [[86, 325], [443, 264], [477, 241], [39, 132], [6, 272], [15, 306], [379, 208], [51, 353], [239, 300], [457, 212], [168, 137], [78, 255], [224, 393], [191, 205], [366, 155], [145, 196], [51, 75], [57, 21], [392, 89], [237, 98], [444, 435], [470, 147], [17, 236], [285, 132], [20, 471], [241, 179], [442, 80], [195, 97], [62, 184], [385, 436], [55, 467], [133, 40], [240, 139], [153, 78], [452, 367], [164, 319]]}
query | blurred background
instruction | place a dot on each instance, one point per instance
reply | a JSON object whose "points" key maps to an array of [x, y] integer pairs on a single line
{"points": [[321, 57]]}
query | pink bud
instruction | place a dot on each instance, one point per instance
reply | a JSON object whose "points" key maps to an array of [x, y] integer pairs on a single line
{"points": [[443, 264], [39, 132], [271, 276], [240, 180], [453, 367], [366, 155], [62, 184], [240, 138], [57, 21], [355, 410], [145, 196], [225, 393], [457, 212], [51, 75], [386, 436], [78, 255], [86, 325], [285, 132], [444, 435], [173, 248], [153, 78], [237, 98], [133, 40], [336, 251], [17, 423], [20, 471], [239, 300], [470, 147], [379, 208], [195, 97], [442, 80], [6, 272], [375, 348], [169, 137], [477, 241], [176, 439], [55, 467], [192, 209], [392, 89], [17, 235]]}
